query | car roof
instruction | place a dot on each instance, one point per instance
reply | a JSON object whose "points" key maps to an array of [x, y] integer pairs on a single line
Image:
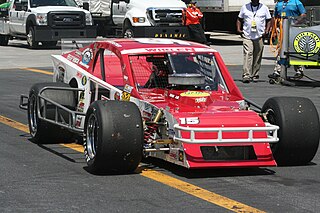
{"points": [[152, 45]]}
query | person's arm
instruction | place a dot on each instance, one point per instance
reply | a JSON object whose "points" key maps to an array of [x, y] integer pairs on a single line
{"points": [[239, 25], [239, 22], [268, 21], [268, 26]]}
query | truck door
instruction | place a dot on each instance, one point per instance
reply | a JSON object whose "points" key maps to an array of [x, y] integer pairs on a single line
{"points": [[119, 9], [17, 16]]}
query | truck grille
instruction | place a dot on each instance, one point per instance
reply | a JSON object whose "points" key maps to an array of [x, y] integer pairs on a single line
{"points": [[66, 19], [158, 16]]}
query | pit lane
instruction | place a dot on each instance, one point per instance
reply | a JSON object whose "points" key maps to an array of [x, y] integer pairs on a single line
{"points": [[53, 177]]}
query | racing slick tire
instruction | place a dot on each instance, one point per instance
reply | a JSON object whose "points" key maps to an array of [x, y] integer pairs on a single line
{"points": [[32, 43], [43, 132], [299, 135], [113, 137], [4, 40]]}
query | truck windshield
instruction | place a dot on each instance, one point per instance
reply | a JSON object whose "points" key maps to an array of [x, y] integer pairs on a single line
{"points": [[37, 3]]}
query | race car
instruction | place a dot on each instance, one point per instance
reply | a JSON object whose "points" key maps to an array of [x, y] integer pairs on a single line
{"points": [[128, 99]]}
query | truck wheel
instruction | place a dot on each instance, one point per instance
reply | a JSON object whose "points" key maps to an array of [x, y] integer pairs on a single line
{"points": [[299, 135], [113, 137], [128, 30], [31, 38], [4, 40], [41, 131]]}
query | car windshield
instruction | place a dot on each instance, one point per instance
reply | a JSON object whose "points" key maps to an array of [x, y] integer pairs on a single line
{"points": [[177, 71], [37, 3]]}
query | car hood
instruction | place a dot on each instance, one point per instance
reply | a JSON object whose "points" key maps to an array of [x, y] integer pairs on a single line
{"points": [[204, 109]]}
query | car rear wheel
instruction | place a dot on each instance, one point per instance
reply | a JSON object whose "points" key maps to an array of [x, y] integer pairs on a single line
{"points": [[43, 132], [113, 137], [299, 135]]}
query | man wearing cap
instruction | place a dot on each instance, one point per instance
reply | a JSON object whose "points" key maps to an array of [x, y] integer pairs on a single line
{"points": [[193, 18]]}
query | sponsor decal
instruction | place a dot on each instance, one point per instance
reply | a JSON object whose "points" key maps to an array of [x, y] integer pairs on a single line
{"points": [[73, 59], [194, 94], [80, 106], [170, 49], [201, 100], [125, 96], [170, 35], [84, 80], [307, 44], [127, 88], [190, 120], [87, 56], [116, 96], [79, 75]]}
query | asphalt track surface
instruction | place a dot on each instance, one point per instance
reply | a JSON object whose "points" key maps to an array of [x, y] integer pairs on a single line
{"points": [[53, 178]]}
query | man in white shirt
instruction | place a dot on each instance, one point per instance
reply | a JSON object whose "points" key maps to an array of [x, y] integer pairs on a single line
{"points": [[252, 23]]}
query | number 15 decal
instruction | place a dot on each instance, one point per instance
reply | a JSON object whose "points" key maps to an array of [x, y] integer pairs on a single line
{"points": [[191, 120]]}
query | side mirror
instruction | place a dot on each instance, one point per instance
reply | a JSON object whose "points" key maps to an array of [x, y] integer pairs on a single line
{"points": [[127, 1], [85, 5]]}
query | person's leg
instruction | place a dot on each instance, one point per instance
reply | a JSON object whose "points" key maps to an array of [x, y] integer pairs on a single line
{"points": [[247, 59], [191, 32], [257, 58], [202, 35]]}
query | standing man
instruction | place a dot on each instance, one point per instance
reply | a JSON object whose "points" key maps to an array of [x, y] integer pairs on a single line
{"points": [[193, 18], [252, 23], [285, 9]]}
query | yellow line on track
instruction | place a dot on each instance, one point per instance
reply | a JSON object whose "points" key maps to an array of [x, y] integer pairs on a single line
{"points": [[37, 71], [188, 188]]}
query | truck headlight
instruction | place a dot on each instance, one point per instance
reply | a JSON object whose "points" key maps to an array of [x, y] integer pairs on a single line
{"points": [[42, 19], [89, 19], [138, 19]]}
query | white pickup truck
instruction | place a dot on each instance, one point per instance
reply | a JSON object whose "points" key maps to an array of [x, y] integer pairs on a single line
{"points": [[138, 18], [45, 21]]}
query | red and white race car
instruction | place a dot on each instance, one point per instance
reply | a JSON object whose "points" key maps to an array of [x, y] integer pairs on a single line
{"points": [[170, 99]]}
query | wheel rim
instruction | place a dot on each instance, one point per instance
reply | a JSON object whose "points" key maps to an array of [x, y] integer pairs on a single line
{"points": [[30, 38], [33, 115], [92, 136], [271, 120], [128, 33]]}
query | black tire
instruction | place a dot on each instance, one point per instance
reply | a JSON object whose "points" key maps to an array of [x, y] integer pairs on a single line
{"points": [[299, 135], [128, 30], [49, 43], [32, 43], [41, 131], [4, 40], [113, 137]]}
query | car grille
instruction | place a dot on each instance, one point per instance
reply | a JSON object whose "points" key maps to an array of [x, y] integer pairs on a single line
{"points": [[66, 19], [228, 153], [170, 17]]}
